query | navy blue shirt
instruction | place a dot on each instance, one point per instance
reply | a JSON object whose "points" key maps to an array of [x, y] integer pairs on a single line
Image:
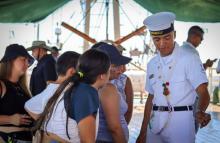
{"points": [[43, 72], [84, 102]]}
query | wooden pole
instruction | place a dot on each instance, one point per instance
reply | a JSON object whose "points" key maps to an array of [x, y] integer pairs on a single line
{"points": [[87, 24], [81, 34], [138, 31], [116, 19]]}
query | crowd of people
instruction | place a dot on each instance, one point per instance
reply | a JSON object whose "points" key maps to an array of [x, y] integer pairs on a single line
{"points": [[87, 98]]}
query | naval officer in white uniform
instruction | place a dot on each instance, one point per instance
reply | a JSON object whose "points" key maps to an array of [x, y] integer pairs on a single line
{"points": [[173, 77]]}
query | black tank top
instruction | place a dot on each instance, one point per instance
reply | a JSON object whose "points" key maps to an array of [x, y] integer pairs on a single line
{"points": [[13, 102]]}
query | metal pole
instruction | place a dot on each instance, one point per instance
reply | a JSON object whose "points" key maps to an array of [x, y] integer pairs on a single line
{"points": [[107, 10], [87, 23], [116, 19], [38, 31]]}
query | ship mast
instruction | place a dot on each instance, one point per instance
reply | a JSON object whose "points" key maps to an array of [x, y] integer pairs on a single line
{"points": [[116, 20], [87, 24], [107, 13]]}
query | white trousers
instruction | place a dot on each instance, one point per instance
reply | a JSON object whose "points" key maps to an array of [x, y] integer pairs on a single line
{"points": [[180, 129]]}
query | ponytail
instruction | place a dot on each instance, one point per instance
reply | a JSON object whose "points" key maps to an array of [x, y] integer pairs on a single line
{"points": [[45, 116], [91, 64]]}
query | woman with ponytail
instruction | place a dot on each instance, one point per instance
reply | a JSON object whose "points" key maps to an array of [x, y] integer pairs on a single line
{"points": [[70, 114]]}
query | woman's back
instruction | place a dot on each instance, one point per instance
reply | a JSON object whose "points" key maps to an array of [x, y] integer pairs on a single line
{"points": [[103, 132], [84, 102], [58, 121]]}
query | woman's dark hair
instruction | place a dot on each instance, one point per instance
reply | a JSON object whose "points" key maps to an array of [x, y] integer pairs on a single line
{"points": [[65, 61], [91, 64], [6, 71]]}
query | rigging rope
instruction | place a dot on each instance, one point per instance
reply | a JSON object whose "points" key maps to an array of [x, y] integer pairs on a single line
{"points": [[99, 21], [142, 38], [80, 21]]}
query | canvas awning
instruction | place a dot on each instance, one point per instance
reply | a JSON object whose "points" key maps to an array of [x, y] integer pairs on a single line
{"points": [[186, 10], [19, 11]]}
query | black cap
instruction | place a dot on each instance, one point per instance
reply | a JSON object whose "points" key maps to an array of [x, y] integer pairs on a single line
{"points": [[55, 49], [13, 51], [115, 57]]}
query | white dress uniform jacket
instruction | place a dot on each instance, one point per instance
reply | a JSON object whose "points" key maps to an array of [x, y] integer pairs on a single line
{"points": [[184, 72]]}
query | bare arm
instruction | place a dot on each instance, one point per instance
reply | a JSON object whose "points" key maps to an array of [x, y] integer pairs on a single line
{"points": [[15, 119], [33, 115], [4, 119], [110, 103], [204, 98], [87, 129], [129, 99], [147, 111]]}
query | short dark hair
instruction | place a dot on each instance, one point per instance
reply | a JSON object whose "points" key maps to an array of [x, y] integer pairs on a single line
{"points": [[54, 49], [195, 30], [65, 61]]}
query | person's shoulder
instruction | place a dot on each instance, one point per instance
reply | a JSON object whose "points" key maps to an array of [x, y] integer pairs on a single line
{"points": [[187, 58], [152, 64], [48, 91], [108, 88], [51, 86], [123, 76], [154, 60], [188, 48], [187, 53], [48, 59], [85, 89], [108, 92], [186, 45]]}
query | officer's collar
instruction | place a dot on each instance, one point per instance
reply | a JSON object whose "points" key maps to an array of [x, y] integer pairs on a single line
{"points": [[168, 59]]}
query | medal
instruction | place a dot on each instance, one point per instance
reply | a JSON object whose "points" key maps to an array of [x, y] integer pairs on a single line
{"points": [[166, 91]]}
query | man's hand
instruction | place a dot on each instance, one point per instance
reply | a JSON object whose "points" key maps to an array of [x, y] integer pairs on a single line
{"points": [[203, 118], [209, 63]]}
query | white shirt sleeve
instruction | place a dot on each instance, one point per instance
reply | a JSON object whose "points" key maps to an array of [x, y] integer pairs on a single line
{"points": [[218, 67], [195, 71], [150, 79], [37, 103]]}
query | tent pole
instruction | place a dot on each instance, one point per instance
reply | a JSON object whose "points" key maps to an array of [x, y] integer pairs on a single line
{"points": [[38, 31], [87, 24], [116, 19], [107, 10]]}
